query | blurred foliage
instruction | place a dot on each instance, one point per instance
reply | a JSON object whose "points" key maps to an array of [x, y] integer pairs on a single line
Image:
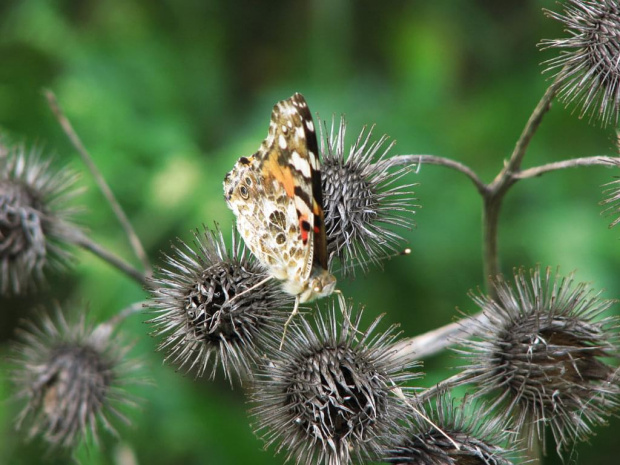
{"points": [[167, 94]]}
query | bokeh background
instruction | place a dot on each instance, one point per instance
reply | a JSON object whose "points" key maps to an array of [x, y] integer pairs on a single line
{"points": [[167, 95]]}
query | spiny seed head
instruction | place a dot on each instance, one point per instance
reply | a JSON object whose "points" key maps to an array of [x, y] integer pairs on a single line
{"points": [[33, 219], [361, 199], [212, 306], [477, 434], [544, 356], [71, 377], [329, 395], [588, 67]]}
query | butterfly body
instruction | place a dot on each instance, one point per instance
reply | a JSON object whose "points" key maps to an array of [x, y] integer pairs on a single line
{"points": [[277, 199]]}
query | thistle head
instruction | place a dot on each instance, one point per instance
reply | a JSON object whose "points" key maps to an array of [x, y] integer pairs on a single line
{"points": [[361, 198], [34, 227], [71, 378], [211, 306], [588, 67], [544, 354], [456, 434], [329, 395]]}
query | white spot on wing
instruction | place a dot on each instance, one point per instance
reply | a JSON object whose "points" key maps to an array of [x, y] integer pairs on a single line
{"points": [[282, 142], [300, 132], [289, 110], [313, 160], [269, 140], [300, 164], [310, 125]]}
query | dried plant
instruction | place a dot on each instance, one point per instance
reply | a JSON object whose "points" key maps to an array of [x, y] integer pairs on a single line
{"points": [[588, 67], [456, 434], [71, 376], [328, 395], [204, 312], [542, 352], [363, 199], [35, 231], [547, 356]]}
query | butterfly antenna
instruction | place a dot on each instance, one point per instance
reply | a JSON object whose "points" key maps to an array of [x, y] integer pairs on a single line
{"points": [[290, 318], [405, 251]]}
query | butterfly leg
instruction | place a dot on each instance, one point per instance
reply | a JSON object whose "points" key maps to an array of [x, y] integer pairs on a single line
{"points": [[249, 289], [290, 318]]}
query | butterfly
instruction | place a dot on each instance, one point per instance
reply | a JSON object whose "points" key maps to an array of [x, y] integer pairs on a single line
{"points": [[277, 198]]}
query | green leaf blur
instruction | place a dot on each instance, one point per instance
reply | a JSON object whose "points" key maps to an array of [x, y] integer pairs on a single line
{"points": [[167, 95]]}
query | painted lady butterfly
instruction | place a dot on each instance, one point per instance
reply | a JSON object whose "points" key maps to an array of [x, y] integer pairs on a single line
{"points": [[276, 196]]}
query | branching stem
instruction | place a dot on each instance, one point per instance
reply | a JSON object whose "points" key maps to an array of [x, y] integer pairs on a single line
{"points": [[503, 181], [493, 193], [86, 243], [600, 160], [420, 160], [99, 179], [433, 342], [492, 197]]}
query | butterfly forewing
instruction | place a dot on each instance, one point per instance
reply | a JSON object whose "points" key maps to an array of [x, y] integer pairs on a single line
{"points": [[276, 196]]}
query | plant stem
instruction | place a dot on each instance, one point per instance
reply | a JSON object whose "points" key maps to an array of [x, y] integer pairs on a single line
{"points": [[490, 256], [600, 160], [503, 181], [435, 341], [85, 242], [435, 160], [99, 179], [105, 329]]}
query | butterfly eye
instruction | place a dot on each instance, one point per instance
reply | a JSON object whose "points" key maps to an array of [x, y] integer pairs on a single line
{"points": [[244, 192]]}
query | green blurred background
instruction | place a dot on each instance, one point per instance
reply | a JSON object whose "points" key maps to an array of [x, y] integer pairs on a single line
{"points": [[168, 94]]}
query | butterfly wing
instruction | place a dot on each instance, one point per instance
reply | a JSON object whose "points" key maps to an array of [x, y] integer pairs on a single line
{"points": [[295, 158], [276, 196]]}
